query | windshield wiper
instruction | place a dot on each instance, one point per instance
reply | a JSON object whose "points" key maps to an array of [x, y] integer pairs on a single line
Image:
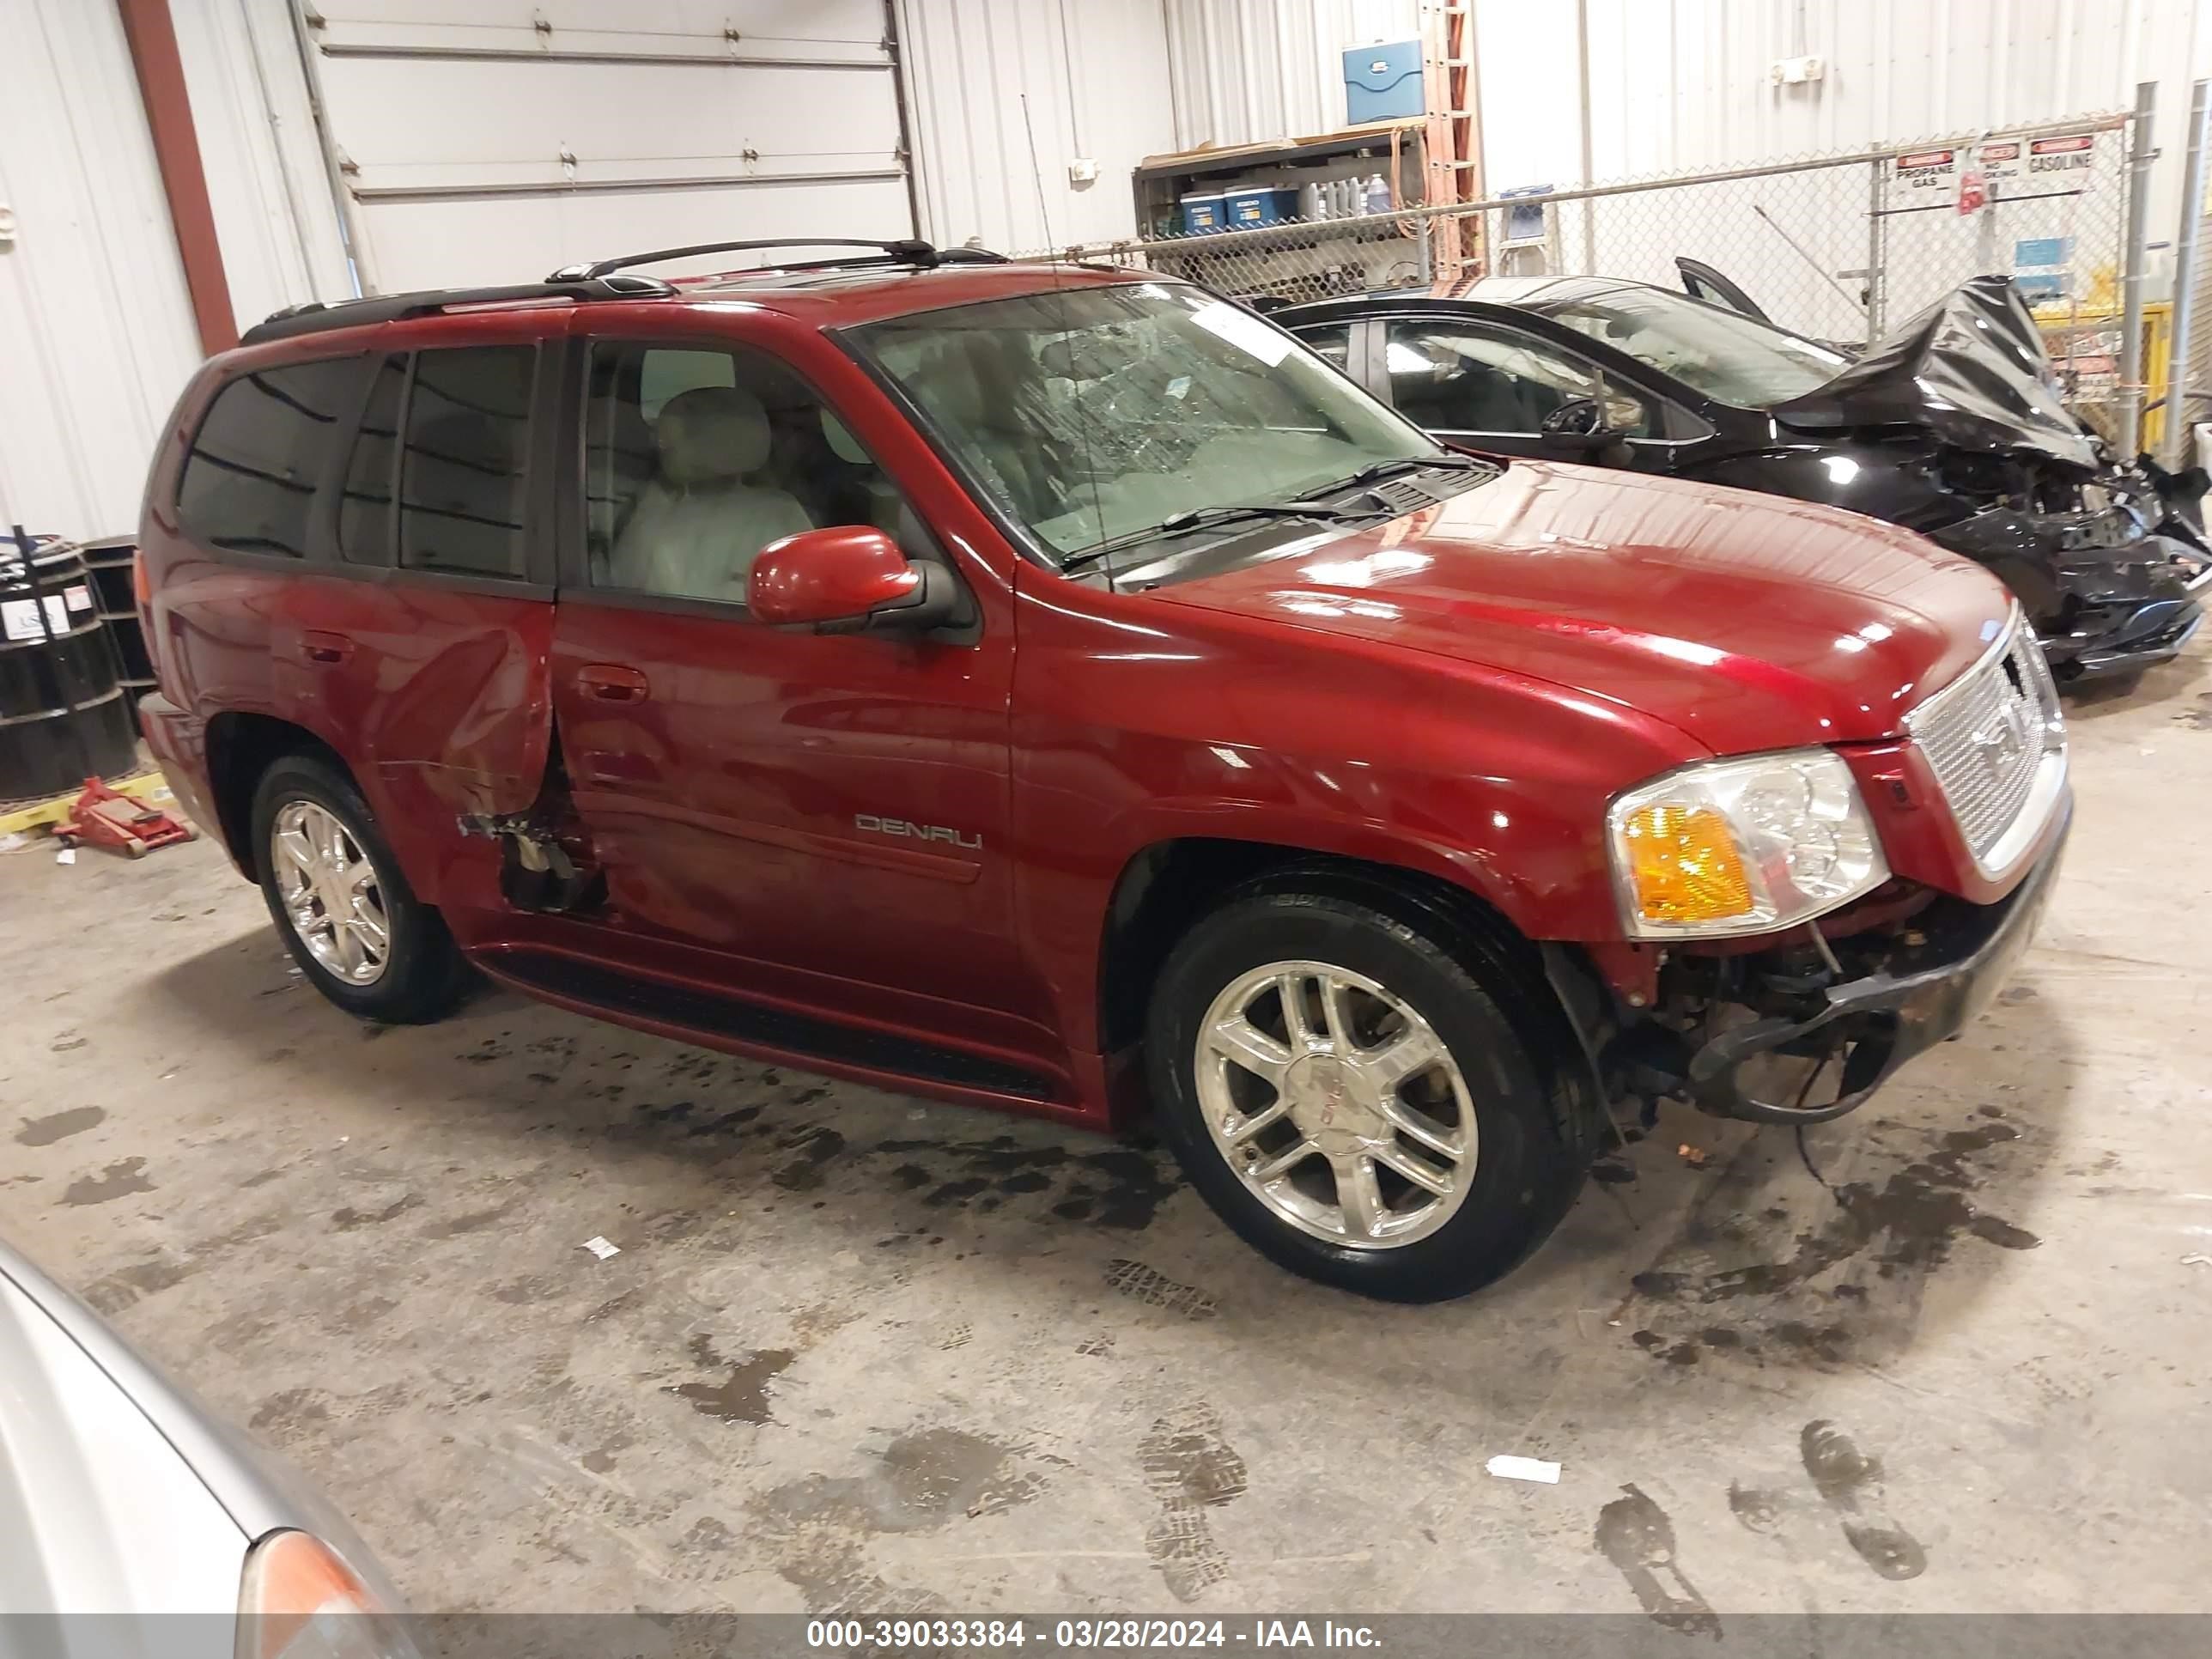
{"points": [[1206, 518], [1375, 471]]}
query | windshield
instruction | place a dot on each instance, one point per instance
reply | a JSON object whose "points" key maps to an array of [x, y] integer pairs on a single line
{"points": [[1093, 413], [1723, 354]]}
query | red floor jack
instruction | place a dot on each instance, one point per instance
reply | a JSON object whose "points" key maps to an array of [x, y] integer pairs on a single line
{"points": [[106, 817]]}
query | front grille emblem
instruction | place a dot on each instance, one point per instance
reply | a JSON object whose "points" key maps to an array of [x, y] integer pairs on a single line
{"points": [[2002, 741]]}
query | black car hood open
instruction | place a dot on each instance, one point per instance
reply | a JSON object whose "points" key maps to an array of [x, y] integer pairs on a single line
{"points": [[1971, 371]]}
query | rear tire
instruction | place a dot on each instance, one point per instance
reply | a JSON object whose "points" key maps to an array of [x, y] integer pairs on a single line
{"points": [[1363, 1105], [342, 902]]}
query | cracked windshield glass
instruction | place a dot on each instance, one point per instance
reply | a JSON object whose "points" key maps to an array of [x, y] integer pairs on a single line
{"points": [[1094, 413]]}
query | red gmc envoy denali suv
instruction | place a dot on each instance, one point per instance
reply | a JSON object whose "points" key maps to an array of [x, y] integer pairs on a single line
{"points": [[1053, 688]]}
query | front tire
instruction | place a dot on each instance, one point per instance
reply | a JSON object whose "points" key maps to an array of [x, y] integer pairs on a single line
{"points": [[1364, 1106], [343, 903]]}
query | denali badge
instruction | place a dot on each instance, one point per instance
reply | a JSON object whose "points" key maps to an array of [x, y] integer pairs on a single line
{"points": [[876, 826]]}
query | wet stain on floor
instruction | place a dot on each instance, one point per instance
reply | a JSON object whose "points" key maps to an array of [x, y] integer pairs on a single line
{"points": [[816, 1148], [119, 1180], [1758, 1508], [1120, 1186], [1675, 1354], [59, 1125], [1637, 1537], [1189, 1467], [475, 1221], [1843, 1284], [1851, 1483], [347, 1219], [816, 1531], [741, 1396]]}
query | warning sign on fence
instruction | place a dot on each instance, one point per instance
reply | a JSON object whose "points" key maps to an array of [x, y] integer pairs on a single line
{"points": [[1931, 170], [2069, 154]]}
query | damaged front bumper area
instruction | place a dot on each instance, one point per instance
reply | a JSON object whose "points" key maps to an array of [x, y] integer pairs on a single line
{"points": [[1912, 988], [2108, 594]]}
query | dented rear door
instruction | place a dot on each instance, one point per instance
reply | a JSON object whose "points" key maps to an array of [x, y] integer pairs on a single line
{"points": [[424, 655]]}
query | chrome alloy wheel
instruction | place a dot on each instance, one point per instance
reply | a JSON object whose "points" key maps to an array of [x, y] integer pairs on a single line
{"points": [[1336, 1103], [329, 891]]}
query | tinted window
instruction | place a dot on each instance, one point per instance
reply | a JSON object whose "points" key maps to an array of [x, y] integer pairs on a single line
{"points": [[461, 471], [1455, 377], [365, 507], [251, 473], [1329, 340]]}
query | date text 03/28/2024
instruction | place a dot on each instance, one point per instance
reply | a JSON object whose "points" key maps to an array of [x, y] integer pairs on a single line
{"points": [[1085, 1633]]}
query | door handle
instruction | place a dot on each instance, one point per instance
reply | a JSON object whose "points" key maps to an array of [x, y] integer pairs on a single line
{"points": [[317, 646], [610, 682]]}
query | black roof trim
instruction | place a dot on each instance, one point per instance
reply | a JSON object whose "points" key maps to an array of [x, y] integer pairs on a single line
{"points": [[315, 317]]}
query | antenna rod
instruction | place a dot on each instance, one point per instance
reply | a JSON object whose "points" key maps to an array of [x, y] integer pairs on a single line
{"points": [[1082, 423]]}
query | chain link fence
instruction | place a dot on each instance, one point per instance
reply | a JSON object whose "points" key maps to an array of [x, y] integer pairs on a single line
{"points": [[1842, 247]]}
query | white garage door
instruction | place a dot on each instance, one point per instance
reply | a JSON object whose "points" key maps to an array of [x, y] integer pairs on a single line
{"points": [[491, 141]]}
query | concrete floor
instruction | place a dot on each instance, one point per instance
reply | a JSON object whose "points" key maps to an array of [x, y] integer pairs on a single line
{"points": [[858, 1352]]}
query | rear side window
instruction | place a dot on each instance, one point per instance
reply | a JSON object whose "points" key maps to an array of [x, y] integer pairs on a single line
{"points": [[364, 505], [462, 464], [251, 476]]}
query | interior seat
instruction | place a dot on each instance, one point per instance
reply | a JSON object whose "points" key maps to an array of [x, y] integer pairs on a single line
{"points": [[952, 385], [698, 526]]}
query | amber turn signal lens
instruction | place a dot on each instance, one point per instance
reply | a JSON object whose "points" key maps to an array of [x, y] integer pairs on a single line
{"points": [[141, 589], [1684, 864], [300, 1599]]}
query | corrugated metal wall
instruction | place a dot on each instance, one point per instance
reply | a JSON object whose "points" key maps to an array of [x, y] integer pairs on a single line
{"points": [[1096, 75], [96, 333], [1244, 70], [1683, 83], [274, 215], [493, 139]]}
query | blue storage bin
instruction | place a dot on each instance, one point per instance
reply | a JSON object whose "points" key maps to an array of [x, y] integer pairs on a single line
{"points": [[1259, 205], [1202, 212], [1382, 83]]}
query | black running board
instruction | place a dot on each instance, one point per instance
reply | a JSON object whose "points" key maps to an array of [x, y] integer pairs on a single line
{"points": [[718, 1014]]}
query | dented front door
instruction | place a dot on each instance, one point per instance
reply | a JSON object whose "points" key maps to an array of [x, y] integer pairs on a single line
{"points": [[826, 813]]}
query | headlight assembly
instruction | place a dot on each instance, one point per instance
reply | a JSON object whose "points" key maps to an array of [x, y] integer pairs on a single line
{"points": [[298, 1600], [1747, 845]]}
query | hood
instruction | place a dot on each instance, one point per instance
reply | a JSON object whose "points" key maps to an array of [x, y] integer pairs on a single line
{"points": [[1971, 370], [101, 1513], [1748, 621]]}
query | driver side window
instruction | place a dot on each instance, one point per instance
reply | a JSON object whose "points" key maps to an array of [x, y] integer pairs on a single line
{"points": [[696, 458], [1450, 376]]}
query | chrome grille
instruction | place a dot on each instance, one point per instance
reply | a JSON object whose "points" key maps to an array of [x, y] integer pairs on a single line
{"points": [[1997, 742]]}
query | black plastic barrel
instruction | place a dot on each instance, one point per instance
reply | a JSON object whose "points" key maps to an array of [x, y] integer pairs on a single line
{"points": [[65, 715], [115, 598]]}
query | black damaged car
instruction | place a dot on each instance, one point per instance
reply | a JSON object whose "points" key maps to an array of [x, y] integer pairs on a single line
{"points": [[1950, 426]]}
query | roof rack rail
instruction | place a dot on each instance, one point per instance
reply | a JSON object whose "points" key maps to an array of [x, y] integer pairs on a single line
{"points": [[905, 250], [315, 316]]}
